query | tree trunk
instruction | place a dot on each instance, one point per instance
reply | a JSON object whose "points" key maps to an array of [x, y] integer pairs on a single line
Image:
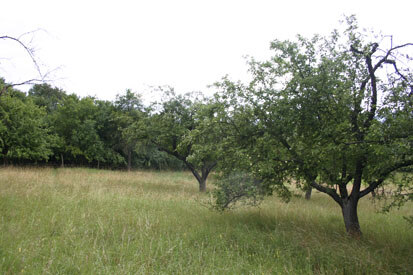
{"points": [[351, 221], [204, 176], [200, 178], [129, 160], [308, 193], [98, 164], [5, 160], [202, 185], [62, 164]]}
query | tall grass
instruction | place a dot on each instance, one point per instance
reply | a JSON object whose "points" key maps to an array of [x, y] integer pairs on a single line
{"points": [[71, 221]]}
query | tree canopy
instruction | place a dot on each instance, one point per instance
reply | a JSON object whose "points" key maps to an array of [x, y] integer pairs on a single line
{"points": [[334, 113], [24, 134], [174, 128]]}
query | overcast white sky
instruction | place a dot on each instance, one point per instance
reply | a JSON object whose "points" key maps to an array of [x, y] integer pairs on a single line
{"points": [[105, 47]]}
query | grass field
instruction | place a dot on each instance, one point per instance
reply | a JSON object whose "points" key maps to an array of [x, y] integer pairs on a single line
{"points": [[71, 221]]}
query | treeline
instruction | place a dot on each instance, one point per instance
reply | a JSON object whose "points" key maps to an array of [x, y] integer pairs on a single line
{"points": [[47, 126]]}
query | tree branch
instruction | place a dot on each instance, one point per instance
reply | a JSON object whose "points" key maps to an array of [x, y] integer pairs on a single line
{"points": [[173, 153], [384, 175], [373, 85], [6, 86], [327, 190], [28, 51], [372, 78], [393, 62]]}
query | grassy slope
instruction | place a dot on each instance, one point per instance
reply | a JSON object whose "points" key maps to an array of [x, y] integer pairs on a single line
{"points": [[64, 221]]}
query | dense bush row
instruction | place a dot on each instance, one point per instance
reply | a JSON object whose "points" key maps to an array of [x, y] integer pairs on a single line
{"points": [[50, 127]]}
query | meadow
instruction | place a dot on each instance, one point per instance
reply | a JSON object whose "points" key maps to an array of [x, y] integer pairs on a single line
{"points": [[86, 221]]}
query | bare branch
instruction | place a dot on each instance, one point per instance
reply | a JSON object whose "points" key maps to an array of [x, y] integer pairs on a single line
{"points": [[31, 81], [372, 77], [28, 50], [384, 59], [392, 62]]}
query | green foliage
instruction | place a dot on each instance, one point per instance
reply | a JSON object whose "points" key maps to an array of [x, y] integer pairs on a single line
{"points": [[237, 187], [44, 95], [320, 112], [173, 120], [180, 127], [23, 131], [128, 116], [107, 131], [83, 131], [74, 121], [400, 191], [203, 139]]}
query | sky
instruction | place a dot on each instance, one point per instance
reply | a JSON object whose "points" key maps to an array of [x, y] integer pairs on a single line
{"points": [[101, 48]]}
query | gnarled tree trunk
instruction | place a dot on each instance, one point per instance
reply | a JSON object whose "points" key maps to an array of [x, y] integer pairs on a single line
{"points": [[351, 221], [201, 178]]}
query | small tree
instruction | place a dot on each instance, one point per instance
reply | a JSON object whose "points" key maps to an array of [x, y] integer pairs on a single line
{"points": [[335, 112], [129, 110], [174, 129]]}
